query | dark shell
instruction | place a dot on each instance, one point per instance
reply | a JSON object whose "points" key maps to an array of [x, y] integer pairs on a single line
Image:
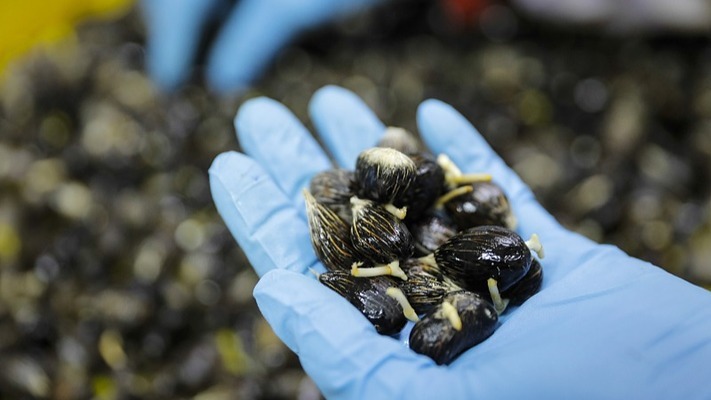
{"points": [[527, 286], [384, 174], [369, 296], [435, 336], [472, 256], [426, 188], [330, 236], [486, 204], [401, 140], [423, 288], [334, 188], [432, 231], [378, 235]]}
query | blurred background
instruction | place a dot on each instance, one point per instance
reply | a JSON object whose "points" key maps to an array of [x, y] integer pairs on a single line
{"points": [[118, 279]]}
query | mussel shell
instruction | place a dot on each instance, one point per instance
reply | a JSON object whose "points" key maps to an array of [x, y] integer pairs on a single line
{"points": [[334, 189], [400, 139], [426, 188], [378, 235], [383, 174], [471, 257], [486, 204], [432, 231], [435, 337], [527, 286], [369, 296], [330, 236], [423, 288]]}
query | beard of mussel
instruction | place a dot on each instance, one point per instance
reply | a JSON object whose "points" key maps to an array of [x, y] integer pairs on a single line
{"points": [[426, 188], [485, 204], [334, 188], [370, 296], [330, 236], [473, 256], [461, 321], [384, 174], [377, 234]]}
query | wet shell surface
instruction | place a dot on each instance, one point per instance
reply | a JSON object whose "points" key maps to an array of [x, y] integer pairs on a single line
{"points": [[473, 256], [426, 188], [462, 320], [334, 189], [527, 286], [432, 231], [370, 297], [384, 174], [377, 234], [485, 204], [330, 236], [423, 288]]}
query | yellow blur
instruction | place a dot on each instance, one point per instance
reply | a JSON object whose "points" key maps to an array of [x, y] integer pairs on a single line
{"points": [[27, 23]]}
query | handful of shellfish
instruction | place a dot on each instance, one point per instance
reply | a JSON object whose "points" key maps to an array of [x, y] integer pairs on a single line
{"points": [[409, 236]]}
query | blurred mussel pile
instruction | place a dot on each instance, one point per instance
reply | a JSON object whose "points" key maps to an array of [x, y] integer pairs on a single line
{"points": [[118, 279], [406, 235]]}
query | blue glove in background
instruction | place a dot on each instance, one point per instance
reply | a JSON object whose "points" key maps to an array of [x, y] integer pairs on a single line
{"points": [[604, 325], [253, 33]]}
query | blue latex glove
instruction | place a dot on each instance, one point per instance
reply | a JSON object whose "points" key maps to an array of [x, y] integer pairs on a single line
{"points": [[604, 325], [253, 33]]}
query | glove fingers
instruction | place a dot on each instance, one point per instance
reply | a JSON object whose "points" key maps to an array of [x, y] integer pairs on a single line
{"points": [[345, 124], [250, 38], [270, 134], [174, 31], [268, 228], [340, 349], [258, 29], [444, 130]]}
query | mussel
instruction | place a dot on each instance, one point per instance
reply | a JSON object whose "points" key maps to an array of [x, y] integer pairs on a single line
{"points": [[431, 231], [380, 237], [526, 287], [425, 189], [330, 236], [485, 204], [424, 287], [334, 188], [378, 298], [399, 139], [473, 256], [462, 320], [384, 174]]}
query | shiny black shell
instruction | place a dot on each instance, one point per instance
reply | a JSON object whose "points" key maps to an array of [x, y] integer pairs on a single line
{"points": [[423, 288], [435, 337], [330, 236], [334, 189], [527, 286], [383, 174], [431, 231], [426, 188], [369, 297], [379, 236], [486, 204], [473, 256]]}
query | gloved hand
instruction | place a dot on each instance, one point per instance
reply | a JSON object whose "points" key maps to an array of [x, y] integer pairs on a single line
{"points": [[254, 31], [603, 326]]}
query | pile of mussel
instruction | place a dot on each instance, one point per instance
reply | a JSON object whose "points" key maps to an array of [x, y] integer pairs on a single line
{"points": [[408, 236]]}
